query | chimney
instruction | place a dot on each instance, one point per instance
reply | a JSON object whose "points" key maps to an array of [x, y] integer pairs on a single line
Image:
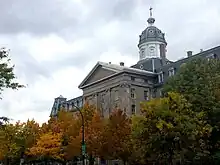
{"points": [[189, 53], [109, 62], [122, 64], [201, 50]]}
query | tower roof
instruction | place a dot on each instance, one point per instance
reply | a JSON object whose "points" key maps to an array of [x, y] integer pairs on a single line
{"points": [[151, 33]]}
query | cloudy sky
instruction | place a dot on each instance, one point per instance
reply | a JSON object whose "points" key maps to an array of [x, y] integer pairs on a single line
{"points": [[55, 43]]}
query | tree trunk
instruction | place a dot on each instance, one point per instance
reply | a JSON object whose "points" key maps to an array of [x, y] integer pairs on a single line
{"points": [[91, 160], [170, 158]]}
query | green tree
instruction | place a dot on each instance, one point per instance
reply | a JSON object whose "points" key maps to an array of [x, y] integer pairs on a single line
{"points": [[170, 132], [7, 76], [10, 145], [199, 82]]}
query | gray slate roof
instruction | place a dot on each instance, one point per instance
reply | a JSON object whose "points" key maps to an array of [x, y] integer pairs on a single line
{"points": [[152, 33]]}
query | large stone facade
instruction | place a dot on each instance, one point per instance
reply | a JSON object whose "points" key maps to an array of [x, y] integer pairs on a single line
{"points": [[110, 86]]}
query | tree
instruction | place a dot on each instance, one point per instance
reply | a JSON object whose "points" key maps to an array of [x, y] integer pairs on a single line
{"points": [[199, 82], [9, 142], [117, 136], [73, 149], [170, 132], [7, 76], [48, 146], [94, 137]]}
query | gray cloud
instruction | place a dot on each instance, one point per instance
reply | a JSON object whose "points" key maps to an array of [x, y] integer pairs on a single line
{"points": [[54, 16], [38, 17], [184, 22]]}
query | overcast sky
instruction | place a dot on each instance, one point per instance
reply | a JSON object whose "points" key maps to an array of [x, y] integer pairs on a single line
{"points": [[55, 43]]}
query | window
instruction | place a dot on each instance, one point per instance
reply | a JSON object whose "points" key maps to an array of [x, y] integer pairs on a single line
{"points": [[133, 93], [80, 103], [70, 106], [116, 105], [152, 51], [141, 67], [146, 81], [146, 95], [132, 78], [116, 95], [142, 53], [102, 99], [211, 56], [77, 103], [160, 77], [67, 106], [133, 109], [171, 72]]}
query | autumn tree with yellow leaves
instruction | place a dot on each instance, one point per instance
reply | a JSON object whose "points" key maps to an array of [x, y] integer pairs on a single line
{"points": [[48, 146]]}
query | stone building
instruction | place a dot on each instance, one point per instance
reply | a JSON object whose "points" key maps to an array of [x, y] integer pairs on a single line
{"points": [[109, 86]]}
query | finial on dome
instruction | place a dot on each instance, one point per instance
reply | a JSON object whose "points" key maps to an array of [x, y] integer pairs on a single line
{"points": [[151, 11], [151, 20]]}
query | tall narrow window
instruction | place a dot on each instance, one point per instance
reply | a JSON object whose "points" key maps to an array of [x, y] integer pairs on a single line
{"points": [[116, 95], [133, 109], [171, 72], [160, 77], [142, 53], [132, 93], [146, 95]]}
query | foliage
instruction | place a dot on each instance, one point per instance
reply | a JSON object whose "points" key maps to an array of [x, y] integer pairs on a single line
{"points": [[73, 149], [10, 145], [30, 133], [49, 145], [199, 82], [169, 131], [94, 135], [7, 75], [117, 136]]}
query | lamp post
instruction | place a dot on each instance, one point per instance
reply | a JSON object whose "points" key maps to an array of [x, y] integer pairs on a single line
{"points": [[83, 133]]}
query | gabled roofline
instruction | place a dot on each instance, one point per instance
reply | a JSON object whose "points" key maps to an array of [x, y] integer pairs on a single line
{"points": [[97, 81], [90, 73], [124, 71], [113, 67]]}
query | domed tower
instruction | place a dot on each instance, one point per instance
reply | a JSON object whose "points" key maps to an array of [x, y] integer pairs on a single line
{"points": [[152, 43]]}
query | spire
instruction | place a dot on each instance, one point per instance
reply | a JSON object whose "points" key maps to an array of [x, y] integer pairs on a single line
{"points": [[151, 20], [151, 11]]}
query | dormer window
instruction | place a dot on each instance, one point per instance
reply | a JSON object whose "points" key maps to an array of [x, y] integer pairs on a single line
{"points": [[211, 56], [160, 77], [141, 67], [171, 71]]}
